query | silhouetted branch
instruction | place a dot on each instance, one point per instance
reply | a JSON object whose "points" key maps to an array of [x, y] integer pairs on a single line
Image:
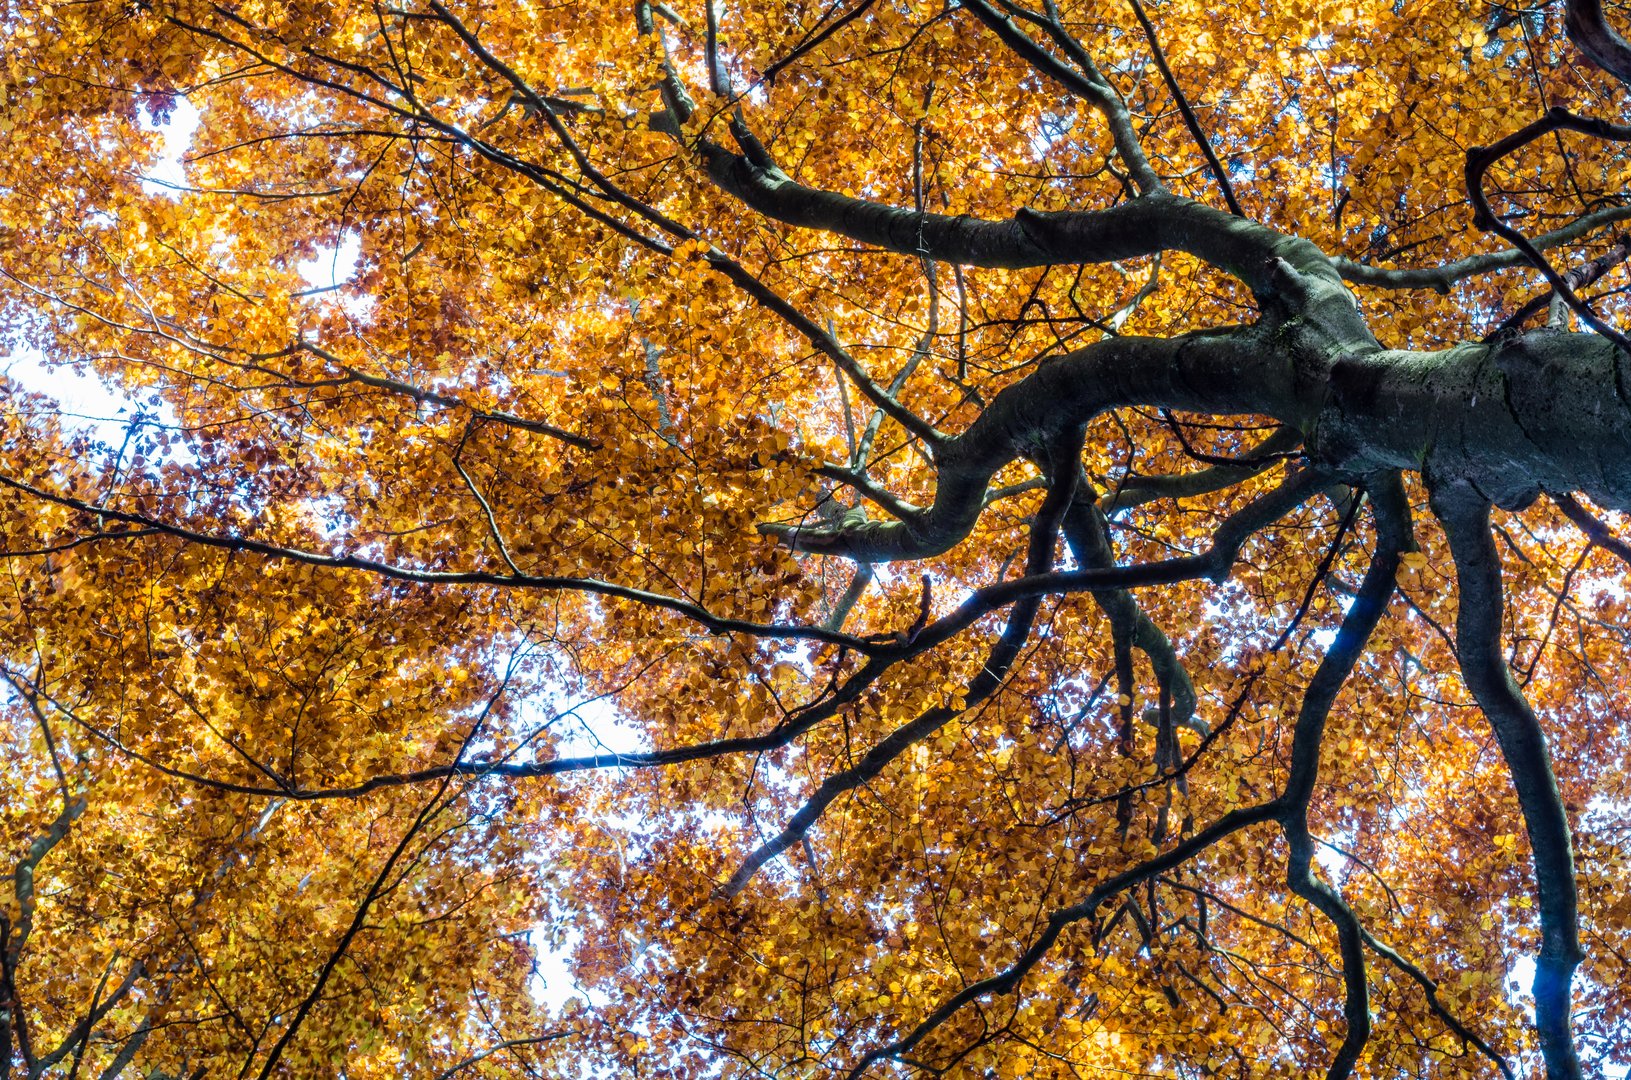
{"points": [[1465, 516]]}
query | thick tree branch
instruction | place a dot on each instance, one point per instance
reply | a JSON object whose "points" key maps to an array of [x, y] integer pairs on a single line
{"points": [[1085, 529], [1228, 372], [1599, 533], [1464, 513], [1588, 28], [1139, 490], [1147, 225]]}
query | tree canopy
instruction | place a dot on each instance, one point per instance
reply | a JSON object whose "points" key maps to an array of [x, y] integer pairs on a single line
{"points": [[890, 537]]}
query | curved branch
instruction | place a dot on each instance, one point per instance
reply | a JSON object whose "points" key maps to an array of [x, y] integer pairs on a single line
{"points": [[1259, 459], [1465, 517], [1588, 28], [1088, 84], [1154, 222], [1064, 466], [1479, 160], [1234, 371], [1393, 537]]}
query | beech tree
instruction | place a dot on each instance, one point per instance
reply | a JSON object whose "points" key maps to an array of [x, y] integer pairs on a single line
{"points": [[884, 537]]}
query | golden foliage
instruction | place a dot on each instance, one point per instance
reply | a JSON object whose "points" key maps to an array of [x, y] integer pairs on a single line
{"points": [[292, 644]]}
